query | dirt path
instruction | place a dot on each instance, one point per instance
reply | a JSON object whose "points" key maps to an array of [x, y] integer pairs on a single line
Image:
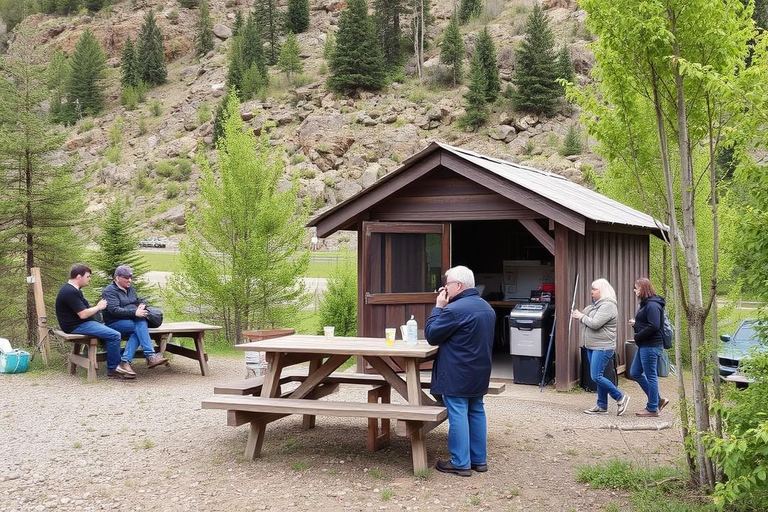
{"points": [[147, 445]]}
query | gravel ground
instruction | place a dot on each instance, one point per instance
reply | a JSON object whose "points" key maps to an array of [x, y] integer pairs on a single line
{"points": [[148, 445]]}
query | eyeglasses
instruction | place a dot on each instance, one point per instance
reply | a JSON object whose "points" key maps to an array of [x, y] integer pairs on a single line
{"points": [[450, 282], [127, 277]]}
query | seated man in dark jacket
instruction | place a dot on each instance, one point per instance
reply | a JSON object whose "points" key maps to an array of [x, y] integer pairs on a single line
{"points": [[127, 314], [462, 324]]}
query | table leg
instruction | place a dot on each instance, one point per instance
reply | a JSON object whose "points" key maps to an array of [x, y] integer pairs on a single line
{"points": [[255, 440], [201, 352], [378, 436], [270, 389], [308, 420]]}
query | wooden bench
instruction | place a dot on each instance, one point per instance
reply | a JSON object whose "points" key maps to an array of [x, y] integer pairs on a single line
{"points": [[252, 386], [259, 411], [86, 352]]}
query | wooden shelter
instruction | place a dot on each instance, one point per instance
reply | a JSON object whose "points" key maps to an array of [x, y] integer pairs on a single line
{"points": [[447, 206]]}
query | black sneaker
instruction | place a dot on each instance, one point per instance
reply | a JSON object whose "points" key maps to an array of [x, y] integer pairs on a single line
{"points": [[445, 466], [480, 468]]}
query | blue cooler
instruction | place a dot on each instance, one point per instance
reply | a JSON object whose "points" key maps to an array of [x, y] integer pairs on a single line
{"points": [[16, 361]]}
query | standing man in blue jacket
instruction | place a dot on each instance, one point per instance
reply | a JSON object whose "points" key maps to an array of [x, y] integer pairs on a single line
{"points": [[127, 314], [462, 325]]}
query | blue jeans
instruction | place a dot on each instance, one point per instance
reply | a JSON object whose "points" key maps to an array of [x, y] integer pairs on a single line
{"points": [[467, 430], [139, 332], [109, 336], [644, 372], [598, 360]]}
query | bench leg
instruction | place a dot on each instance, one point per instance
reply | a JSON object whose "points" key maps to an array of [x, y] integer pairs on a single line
{"points": [[255, 440], [201, 356], [378, 436], [93, 364], [76, 347], [418, 445], [308, 420]]}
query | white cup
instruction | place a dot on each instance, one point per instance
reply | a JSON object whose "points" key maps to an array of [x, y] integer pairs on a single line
{"points": [[404, 332], [328, 331]]}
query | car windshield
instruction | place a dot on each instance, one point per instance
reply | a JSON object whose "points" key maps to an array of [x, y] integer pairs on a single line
{"points": [[748, 333]]}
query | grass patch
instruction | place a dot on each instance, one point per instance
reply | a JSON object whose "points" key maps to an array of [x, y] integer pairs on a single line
{"points": [[386, 494], [299, 466], [323, 264], [375, 473], [162, 261]]}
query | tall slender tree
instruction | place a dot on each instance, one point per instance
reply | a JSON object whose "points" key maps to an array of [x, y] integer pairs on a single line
{"points": [[420, 20], [129, 65], [565, 66], [238, 25], [58, 79], [244, 257], [452, 50], [357, 60], [388, 14], [85, 92], [476, 109], [297, 18], [204, 30], [469, 9], [151, 52], [270, 23], [41, 205], [290, 61], [536, 69], [485, 50]]}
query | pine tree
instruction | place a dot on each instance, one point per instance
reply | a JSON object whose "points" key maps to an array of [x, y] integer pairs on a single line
{"points": [[204, 34], [329, 47], [388, 14], [67, 6], [58, 79], [565, 66], [357, 61], [41, 205], [238, 26], [247, 70], [476, 111], [452, 49], [290, 61], [248, 230], [486, 52], [235, 69], [129, 66], [85, 95], [220, 119], [151, 53], [118, 243], [94, 5], [572, 143], [536, 69], [297, 19], [269, 21], [469, 9]]}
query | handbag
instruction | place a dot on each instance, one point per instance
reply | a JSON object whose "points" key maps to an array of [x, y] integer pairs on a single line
{"points": [[155, 317], [662, 367]]}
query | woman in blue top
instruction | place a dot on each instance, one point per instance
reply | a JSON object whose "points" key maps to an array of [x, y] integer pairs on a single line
{"points": [[647, 324]]}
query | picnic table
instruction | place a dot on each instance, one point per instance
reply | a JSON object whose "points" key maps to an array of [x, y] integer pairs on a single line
{"points": [[85, 349], [419, 414]]}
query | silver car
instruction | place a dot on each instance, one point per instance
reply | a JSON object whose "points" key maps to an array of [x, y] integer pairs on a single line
{"points": [[737, 347]]}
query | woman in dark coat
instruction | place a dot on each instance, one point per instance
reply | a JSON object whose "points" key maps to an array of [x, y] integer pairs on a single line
{"points": [[648, 322]]}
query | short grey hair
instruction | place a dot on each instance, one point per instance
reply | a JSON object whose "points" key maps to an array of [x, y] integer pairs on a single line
{"points": [[461, 274], [605, 289]]}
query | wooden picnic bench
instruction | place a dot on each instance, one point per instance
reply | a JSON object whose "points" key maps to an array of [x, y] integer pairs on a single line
{"points": [[415, 418], [85, 351]]}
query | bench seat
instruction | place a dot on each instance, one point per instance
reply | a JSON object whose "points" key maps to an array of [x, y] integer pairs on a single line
{"points": [[253, 385]]}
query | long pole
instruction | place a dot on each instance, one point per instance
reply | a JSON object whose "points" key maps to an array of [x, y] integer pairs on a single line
{"points": [[549, 352], [573, 304]]}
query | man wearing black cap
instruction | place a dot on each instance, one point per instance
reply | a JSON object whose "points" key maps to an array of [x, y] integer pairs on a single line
{"points": [[127, 314]]}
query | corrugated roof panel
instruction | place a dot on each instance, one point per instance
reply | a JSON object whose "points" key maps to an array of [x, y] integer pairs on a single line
{"points": [[556, 188]]}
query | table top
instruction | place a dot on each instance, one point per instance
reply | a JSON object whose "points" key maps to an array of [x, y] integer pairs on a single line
{"points": [[184, 327], [314, 344]]}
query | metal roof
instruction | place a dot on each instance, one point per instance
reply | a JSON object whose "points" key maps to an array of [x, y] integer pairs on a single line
{"points": [[592, 205]]}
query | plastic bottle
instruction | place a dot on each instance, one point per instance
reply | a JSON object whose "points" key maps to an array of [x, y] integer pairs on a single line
{"points": [[413, 331]]}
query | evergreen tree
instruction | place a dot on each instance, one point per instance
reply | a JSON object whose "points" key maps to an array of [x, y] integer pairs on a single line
{"points": [[452, 49], [536, 68], [269, 21], [85, 95], [565, 66], [252, 47], [329, 47], [357, 61], [58, 79], [151, 52], [290, 61], [388, 14], [247, 70], [469, 9], [13, 11], [41, 205], [572, 143], [220, 119], [118, 243], [476, 110], [238, 26], [248, 230], [67, 6], [129, 66], [297, 20], [486, 53], [235, 69], [204, 34]]}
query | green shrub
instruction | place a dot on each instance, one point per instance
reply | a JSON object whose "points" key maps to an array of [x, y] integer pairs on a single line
{"points": [[156, 108], [172, 190], [176, 169], [142, 125], [301, 80], [338, 306], [203, 113], [129, 98], [572, 143], [529, 147], [143, 183], [85, 126]]}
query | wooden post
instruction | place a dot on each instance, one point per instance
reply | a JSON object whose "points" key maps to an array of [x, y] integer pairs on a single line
{"points": [[42, 319]]}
